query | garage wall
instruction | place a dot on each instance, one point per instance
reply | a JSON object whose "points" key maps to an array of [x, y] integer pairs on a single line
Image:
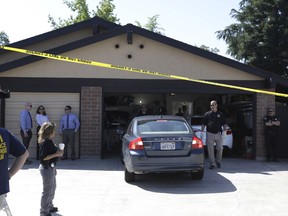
{"points": [[54, 104]]}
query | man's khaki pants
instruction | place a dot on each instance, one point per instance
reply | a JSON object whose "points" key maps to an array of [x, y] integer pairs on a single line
{"points": [[212, 138]]}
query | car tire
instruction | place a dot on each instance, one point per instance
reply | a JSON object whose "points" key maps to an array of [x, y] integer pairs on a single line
{"points": [[129, 177], [197, 175]]}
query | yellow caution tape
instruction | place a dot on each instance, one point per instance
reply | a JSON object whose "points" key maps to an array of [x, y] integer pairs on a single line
{"points": [[135, 70]]}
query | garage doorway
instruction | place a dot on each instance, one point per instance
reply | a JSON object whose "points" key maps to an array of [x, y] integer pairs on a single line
{"points": [[54, 104], [119, 110]]}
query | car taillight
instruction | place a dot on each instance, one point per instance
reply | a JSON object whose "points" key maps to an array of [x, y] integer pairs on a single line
{"points": [[136, 144], [197, 143], [228, 132]]}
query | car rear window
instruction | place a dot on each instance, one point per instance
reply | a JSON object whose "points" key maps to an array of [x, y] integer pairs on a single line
{"points": [[163, 127]]}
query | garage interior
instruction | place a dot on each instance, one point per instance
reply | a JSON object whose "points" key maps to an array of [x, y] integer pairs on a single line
{"points": [[120, 109]]}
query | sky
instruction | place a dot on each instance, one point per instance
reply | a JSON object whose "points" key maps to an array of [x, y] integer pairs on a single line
{"points": [[190, 21]]}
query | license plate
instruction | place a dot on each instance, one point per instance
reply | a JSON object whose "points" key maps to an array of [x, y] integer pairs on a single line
{"points": [[167, 145]]}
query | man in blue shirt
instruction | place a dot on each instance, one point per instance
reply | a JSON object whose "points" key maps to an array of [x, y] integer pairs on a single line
{"points": [[26, 126], [9, 144], [69, 126]]}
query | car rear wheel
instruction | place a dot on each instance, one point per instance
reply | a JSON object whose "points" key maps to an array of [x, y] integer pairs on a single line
{"points": [[129, 177], [197, 175]]}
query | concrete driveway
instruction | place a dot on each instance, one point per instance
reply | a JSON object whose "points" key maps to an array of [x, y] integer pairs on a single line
{"points": [[97, 188]]}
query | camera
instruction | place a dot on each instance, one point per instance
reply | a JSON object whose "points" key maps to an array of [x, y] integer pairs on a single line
{"points": [[4, 93]]}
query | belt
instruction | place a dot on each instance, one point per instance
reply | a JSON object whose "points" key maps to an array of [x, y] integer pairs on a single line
{"points": [[26, 129], [215, 133], [69, 129], [52, 165]]}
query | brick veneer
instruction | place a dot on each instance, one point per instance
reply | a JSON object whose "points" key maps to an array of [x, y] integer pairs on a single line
{"points": [[91, 118], [263, 101]]}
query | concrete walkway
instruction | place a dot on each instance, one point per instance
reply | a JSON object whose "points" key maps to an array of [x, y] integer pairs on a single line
{"points": [[97, 188]]}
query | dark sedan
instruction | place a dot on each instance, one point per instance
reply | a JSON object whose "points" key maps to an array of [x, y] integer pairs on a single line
{"points": [[162, 143]]}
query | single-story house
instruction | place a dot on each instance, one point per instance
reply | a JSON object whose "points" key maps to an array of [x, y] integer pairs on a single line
{"points": [[106, 99]]}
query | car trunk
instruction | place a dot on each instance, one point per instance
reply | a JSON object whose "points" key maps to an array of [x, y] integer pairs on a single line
{"points": [[165, 146]]}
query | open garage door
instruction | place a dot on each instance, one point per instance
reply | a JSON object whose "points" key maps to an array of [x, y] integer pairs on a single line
{"points": [[54, 104]]}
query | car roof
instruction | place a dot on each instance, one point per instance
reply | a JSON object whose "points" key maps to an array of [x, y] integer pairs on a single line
{"points": [[158, 117]]}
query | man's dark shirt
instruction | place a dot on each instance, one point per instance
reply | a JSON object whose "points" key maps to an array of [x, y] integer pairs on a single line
{"points": [[214, 121], [273, 128], [47, 148]]}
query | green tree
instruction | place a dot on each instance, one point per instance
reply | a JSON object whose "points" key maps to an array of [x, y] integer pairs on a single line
{"points": [[105, 11], [260, 37], [213, 50], [4, 39], [152, 25], [80, 8]]}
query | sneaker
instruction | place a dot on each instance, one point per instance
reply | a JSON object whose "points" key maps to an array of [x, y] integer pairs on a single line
{"points": [[54, 209], [218, 165], [212, 166]]}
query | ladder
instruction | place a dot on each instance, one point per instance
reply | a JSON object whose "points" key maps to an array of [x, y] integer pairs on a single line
{"points": [[5, 208]]}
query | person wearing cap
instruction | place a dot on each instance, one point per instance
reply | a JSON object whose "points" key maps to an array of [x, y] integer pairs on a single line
{"points": [[179, 113], [272, 125], [143, 110], [26, 126], [69, 126]]}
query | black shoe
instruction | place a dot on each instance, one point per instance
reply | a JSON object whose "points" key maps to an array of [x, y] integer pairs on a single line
{"points": [[49, 214], [54, 209], [268, 160], [275, 160], [64, 158], [212, 166], [218, 165], [28, 162]]}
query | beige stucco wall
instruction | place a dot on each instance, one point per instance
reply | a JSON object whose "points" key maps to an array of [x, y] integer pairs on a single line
{"points": [[154, 56], [48, 44]]}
